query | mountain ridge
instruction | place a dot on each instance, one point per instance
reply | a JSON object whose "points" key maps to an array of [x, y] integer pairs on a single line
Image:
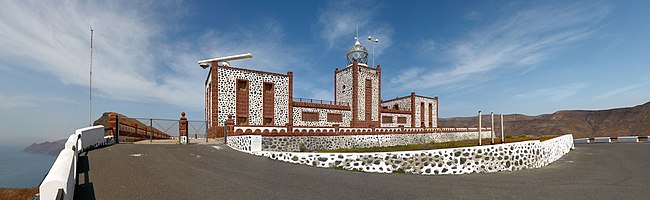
{"points": [[613, 122]]}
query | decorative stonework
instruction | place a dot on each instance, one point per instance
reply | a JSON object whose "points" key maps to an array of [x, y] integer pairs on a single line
{"points": [[322, 117], [480, 159], [227, 102], [292, 143]]}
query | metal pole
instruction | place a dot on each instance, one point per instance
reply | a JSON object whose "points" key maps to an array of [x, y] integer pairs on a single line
{"points": [[90, 104], [225, 133], [502, 141], [479, 128], [151, 127], [492, 127]]}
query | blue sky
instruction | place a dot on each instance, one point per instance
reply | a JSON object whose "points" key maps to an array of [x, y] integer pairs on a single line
{"points": [[530, 57]]}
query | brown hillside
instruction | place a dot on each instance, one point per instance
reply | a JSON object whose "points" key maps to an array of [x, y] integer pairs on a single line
{"points": [[581, 123]]}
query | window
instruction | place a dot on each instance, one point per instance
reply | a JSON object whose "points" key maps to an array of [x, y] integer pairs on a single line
{"points": [[268, 87], [310, 116], [396, 107], [387, 119], [268, 121], [401, 120], [242, 85], [334, 117], [242, 121]]}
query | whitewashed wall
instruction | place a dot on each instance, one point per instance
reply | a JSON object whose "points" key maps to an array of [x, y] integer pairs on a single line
{"points": [[292, 143], [62, 174], [227, 95], [479, 159]]}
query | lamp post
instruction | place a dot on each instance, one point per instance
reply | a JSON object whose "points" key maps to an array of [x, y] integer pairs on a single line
{"points": [[373, 48]]}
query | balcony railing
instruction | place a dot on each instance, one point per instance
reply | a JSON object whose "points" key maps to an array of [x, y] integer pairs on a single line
{"points": [[319, 101]]}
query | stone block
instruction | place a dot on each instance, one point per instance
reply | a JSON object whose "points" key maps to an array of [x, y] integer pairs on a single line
{"points": [[602, 140], [581, 141], [625, 139]]}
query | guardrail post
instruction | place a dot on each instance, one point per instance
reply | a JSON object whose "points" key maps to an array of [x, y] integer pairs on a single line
{"points": [[182, 126]]}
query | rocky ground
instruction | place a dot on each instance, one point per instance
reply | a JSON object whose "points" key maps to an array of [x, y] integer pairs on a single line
{"points": [[17, 193]]}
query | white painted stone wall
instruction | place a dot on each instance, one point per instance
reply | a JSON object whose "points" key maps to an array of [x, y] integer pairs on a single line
{"points": [[227, 95], [322, 117], [344, 86], [479, 159], [292, 143], [418, 109], [245, 142], [403, 103]]}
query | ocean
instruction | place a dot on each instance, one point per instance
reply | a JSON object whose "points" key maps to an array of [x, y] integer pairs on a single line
{"points": [[19, 169]]}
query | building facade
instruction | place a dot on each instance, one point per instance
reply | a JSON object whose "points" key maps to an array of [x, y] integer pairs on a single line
{"points": [[257, 98]]}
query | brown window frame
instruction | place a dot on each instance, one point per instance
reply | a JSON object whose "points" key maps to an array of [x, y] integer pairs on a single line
{"points": [[401, 120], [383, 119], [307, 118], [335, 117]]}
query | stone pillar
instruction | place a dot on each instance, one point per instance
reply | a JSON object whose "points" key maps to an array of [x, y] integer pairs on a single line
{"points": [[214, 90], [355, 94], [413, 110], [290, 107], [230, 125], [182, 128]]}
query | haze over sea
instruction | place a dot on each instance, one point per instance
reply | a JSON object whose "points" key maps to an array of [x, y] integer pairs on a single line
{"points": [[19, 169]]}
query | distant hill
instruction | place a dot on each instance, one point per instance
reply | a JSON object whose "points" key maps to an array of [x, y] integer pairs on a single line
{"points": [[54, 148], [50, 148], [581, 123]]}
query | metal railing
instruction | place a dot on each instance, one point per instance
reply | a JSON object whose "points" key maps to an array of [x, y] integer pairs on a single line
{"points": [[320, 101]]}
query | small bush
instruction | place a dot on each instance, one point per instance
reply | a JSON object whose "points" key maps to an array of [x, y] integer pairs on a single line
{"points": [[399, 171]]}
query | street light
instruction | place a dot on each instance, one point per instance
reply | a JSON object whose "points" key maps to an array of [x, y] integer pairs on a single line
{"points": [[373, 49]]}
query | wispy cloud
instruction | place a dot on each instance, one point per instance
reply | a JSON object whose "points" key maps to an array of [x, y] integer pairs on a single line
{"points": [[130, 55], [621, 90], [555, 93], [519, 40], [338, 22]]}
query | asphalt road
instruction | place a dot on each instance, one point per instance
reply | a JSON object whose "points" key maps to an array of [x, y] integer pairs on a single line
{"points": [[591, 171]]}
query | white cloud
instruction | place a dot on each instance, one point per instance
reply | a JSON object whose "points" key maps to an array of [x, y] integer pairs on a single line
{"points": [[130, 56], [520, 40], [556, 93]]}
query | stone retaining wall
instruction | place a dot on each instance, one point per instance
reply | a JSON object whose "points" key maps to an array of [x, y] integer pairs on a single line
{"points": [[292, 143], [479, 159]]}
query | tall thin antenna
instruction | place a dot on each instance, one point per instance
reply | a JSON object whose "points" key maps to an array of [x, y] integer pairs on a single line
{"points": [[90, 112]]}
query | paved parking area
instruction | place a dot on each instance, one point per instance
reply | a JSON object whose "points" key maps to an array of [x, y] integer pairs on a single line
{"points": [[131, 171]]}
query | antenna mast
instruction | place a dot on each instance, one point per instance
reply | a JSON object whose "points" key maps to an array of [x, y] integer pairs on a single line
{"points": [[90, 112]]}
